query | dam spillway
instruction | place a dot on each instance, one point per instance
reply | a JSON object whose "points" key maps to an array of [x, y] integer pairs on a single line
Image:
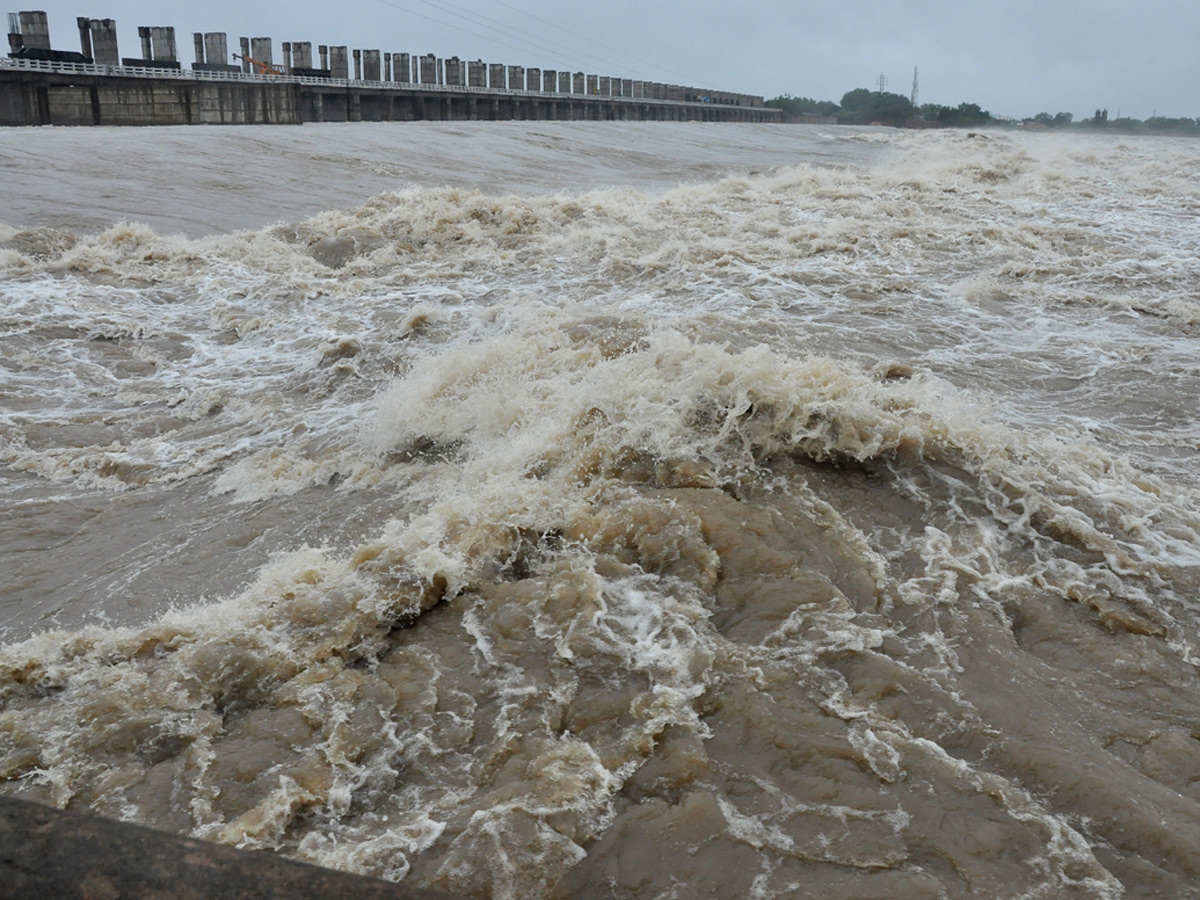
{"points": [[97, 86]]}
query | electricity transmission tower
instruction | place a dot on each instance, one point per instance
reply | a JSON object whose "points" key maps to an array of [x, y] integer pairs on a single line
{"points": [[882, 82], [914, 93]]}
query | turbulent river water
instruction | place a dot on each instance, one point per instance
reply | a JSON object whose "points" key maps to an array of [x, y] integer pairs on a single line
{"points": [[554, 510]]}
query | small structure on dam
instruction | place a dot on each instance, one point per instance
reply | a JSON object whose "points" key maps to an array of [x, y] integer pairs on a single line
{"points": [[94, 85]]}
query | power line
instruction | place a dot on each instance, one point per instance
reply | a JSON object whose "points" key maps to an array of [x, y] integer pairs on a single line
{"points": [[514, 41], [445, 24], [494, 23], [590, 40]]}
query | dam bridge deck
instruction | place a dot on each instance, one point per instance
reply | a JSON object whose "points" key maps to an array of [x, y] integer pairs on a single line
{"points": [[42, 92]]}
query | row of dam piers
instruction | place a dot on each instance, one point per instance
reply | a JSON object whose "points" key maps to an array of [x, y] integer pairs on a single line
{"points": [[95, 85]]}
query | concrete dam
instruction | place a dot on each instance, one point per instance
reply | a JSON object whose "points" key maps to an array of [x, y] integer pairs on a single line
{"points": [[95, 85]]}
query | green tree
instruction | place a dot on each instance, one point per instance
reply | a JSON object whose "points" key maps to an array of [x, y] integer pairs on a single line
{"points": [[965, 115], [1126, 123], [856, 100], [863, 107], [1178, 126], [935, 112], [970, 115], [798, 106]]}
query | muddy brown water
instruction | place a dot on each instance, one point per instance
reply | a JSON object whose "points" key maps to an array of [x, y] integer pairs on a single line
{"points": [[711, 512]]}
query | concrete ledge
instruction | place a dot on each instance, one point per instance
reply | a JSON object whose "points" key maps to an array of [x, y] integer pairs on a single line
{"points": [[47, 853]]}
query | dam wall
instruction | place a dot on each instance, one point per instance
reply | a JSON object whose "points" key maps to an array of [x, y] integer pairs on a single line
{"points": [[33, 97], [47, 93], [43, 86]]}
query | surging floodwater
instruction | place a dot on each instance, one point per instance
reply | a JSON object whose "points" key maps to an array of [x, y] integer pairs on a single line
{"points": [[614, 511]]}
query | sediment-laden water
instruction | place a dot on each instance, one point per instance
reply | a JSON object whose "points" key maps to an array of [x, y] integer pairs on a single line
{"points": [[604, 510]]}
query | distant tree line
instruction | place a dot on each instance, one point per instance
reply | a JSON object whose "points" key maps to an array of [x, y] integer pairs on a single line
{"points": [[1101, 122], [864, 107]]}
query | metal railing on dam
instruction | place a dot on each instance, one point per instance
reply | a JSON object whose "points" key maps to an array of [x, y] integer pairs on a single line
{"points": [[40, 65], [49, 92]]}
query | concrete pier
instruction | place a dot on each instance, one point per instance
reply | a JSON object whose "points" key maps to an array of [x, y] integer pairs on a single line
{"points": [[371, 68], [158, 48], [429, 69], [260, 49], [35, 30], [85, 36], [162, 44], [102, 34], [302, 57], [339, 63]]}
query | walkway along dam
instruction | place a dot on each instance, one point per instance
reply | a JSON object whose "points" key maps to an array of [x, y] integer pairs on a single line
{"points": [[97, 86]]}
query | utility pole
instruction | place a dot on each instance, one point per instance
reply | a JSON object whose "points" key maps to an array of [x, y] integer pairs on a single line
{"points": [[914, 93]]}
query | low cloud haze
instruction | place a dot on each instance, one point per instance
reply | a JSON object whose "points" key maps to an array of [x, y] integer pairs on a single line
{"points": [[1013, 58]]}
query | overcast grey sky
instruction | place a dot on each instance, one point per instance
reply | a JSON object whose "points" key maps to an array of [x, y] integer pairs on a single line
{"points": [[1013, 57]]}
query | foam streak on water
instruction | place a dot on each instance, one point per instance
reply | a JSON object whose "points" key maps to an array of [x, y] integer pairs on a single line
{"points": [[706, 512]]}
